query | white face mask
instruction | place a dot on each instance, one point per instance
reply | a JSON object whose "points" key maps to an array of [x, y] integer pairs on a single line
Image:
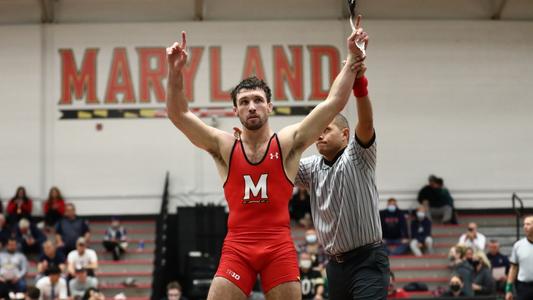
{"points": [[420, 214], [311, 238], [305, 263], [391, 208]]}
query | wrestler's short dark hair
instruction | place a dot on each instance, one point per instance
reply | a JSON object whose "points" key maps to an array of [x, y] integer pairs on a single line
{"points": [[251, 83]]}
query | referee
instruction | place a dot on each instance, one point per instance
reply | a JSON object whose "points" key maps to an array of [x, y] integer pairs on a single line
{"points": [[522, 265], [344, 204]]}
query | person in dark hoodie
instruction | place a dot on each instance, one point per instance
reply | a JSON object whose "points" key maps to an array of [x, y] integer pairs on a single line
{"points": [[462, 267], [394, 227], [456, 288], [483, 282]]}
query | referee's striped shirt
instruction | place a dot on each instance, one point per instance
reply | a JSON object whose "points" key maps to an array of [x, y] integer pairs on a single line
{"points": [[344, 197]]}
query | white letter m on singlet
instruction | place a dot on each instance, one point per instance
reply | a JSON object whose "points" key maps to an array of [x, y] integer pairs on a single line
{"points": [[250, 186]]}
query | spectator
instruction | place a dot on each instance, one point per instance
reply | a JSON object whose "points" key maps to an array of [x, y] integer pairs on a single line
{"points": [[52, 287], [93, 294], [421, 232], [115, 240], [473, 239], [13, 267], [81, 283], [393, 292], [70, 228], [462, 266], [51, 256], [314, 249], [20, 206], [174, 291], [33, 293], [300, 208], [311, 280], [394, 227], [54, 207], [500, 265], [483, 283], [30, 238], [436, 199], [5, 231], [456, 288], [82, 257]]}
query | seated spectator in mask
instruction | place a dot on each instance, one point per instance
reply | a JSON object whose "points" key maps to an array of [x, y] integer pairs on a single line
{"points": [[311, 280], [5, 231], [51, 256], [300, 208], [394, 227], [314, 249], [115, 240], [456, 288], [29, 237], [393, 292], [69, 229], [500, 265], [52, 287], [421, 233], [20, 206], [462, 266], [473, 239], [13, 267], [82, 257], [81, 283], [483, 283], [53, 208]]}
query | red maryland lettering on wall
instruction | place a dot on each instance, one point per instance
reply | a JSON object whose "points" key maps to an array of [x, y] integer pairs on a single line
{"points": [[292, 74], [80, 82], [190, 70], [119, 80], [153, 70], [217, 94], [253, 64], [317, 53]]}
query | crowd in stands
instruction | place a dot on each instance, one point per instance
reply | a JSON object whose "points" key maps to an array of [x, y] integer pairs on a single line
{"points": [[67, 268], [476, 265]]}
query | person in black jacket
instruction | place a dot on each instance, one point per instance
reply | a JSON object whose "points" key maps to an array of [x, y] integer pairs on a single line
{"points": [[394, 227], [421, 232], [437, 200], [483, 283], [456, 288]]}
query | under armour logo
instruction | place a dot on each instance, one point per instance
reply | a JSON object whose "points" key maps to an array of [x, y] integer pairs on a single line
{"points": [[276, 155]]}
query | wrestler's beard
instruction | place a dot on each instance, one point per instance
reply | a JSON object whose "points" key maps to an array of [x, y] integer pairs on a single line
{"points": [[252, 126]]}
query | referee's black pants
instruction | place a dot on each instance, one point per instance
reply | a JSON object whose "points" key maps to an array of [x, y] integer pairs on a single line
{"points": [[524, 290], [363, 275]]}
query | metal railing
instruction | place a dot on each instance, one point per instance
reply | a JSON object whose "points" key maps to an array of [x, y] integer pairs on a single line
{"points": [[519, 211]]}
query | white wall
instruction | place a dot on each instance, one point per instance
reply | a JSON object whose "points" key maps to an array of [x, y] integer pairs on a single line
{"points": [[20, 110], [450, 98]]}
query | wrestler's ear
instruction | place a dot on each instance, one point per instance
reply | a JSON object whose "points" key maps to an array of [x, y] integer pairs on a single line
{"points": [[270, 107], [346, 133]]}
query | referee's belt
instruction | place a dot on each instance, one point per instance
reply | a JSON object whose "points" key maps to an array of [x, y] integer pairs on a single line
{"points": [[343, 257]]}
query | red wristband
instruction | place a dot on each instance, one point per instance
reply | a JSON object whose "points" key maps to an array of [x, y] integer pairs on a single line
{"points": [[360, 87]]}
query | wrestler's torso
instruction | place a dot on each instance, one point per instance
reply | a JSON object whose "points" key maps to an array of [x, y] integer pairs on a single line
{"points": [[257, 193]]}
